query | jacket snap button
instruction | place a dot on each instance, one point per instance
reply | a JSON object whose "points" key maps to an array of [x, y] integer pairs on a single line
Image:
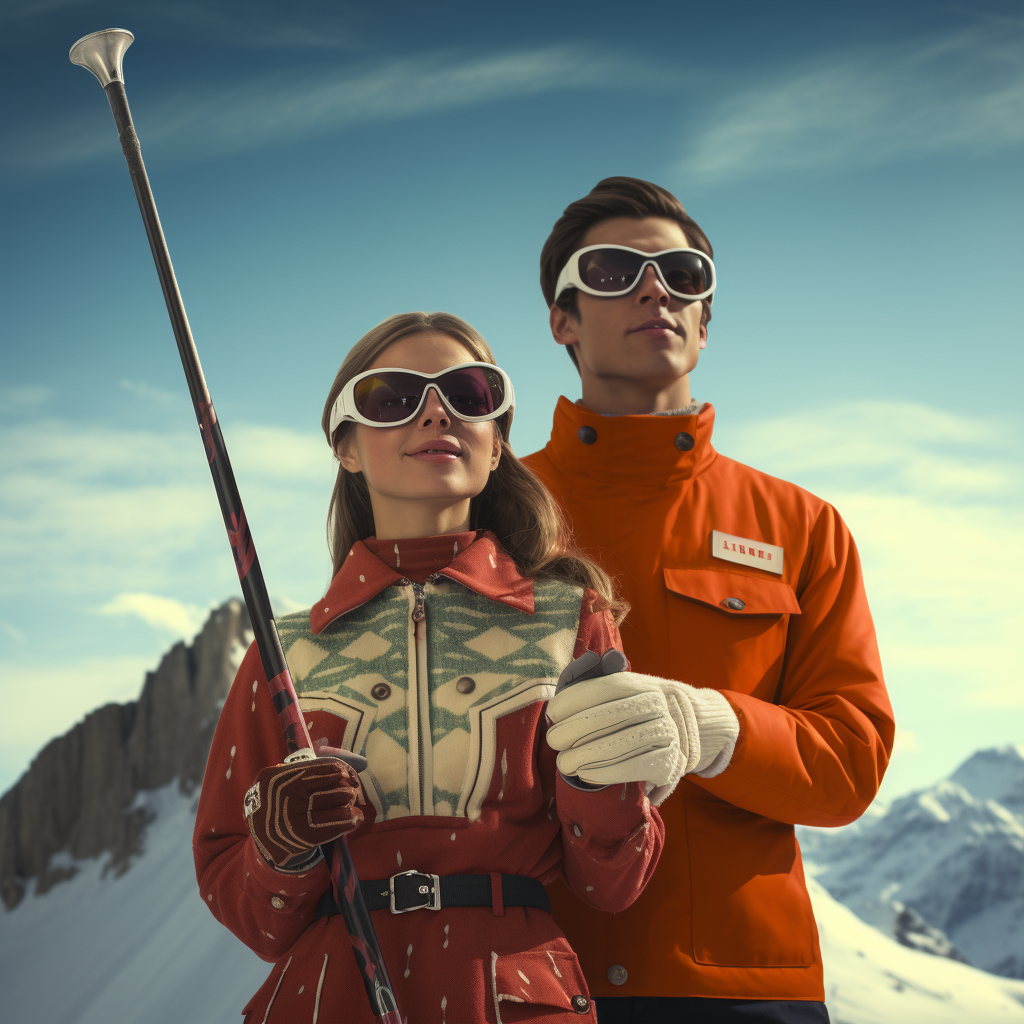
{"points": [[588, 435], [577, 831], [617, 974], [381, 691], [735, 604], [465, 685], [581, 1004], [684, 441], [277, 903]]}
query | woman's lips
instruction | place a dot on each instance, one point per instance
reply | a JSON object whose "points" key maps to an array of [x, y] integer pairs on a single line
{"points": [[437, 451], [435, 455]]}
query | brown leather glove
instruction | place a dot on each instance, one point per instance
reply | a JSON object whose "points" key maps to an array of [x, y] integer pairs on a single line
{"points": [[293, 808]]}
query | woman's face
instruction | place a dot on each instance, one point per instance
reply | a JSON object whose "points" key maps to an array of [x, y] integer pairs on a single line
{"points": [[433, 464]]}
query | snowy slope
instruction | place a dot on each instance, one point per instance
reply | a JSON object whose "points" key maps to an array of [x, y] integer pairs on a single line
{"points": [[142, 947], [953, 855], [871, 979]]}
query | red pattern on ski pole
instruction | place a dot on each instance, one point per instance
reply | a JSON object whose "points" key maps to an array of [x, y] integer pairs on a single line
{"points": [[289, 714], [208, 417], [363, 950], [241, 543]]}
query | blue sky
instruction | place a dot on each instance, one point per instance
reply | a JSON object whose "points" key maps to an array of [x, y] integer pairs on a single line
{"points": [[320, 166]]}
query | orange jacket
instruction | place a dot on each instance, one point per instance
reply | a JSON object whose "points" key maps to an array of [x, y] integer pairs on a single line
{"points": [[727, 912]]}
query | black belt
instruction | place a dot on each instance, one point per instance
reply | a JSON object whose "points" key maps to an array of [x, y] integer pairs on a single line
{"points": [[414, 890]]}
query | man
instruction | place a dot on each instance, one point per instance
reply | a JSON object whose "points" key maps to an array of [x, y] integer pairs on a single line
{"points": [[746, 591]]}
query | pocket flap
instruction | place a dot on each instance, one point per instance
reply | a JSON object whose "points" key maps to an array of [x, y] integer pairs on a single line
{"points": [[733, 593], [537, 977]]}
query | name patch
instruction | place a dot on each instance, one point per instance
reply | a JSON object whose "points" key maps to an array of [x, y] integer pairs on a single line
{"points": [[746, 551]]}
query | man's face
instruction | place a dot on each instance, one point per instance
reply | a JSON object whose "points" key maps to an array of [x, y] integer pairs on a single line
{"points": [[647, 337]]}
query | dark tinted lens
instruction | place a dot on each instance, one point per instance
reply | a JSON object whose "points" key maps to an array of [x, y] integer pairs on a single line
{"points": [[473, 391], [685, 272], [389, 397], [609, 270]]}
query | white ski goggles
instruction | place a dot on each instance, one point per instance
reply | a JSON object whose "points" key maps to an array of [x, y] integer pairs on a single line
{"points": [[612, 270], [391, 396]]}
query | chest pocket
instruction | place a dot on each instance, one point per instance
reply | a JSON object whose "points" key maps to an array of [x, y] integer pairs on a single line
{"points": [[728, 629]]}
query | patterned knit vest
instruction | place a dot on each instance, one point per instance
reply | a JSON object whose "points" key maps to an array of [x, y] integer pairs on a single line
{"points": [[421, 705]]}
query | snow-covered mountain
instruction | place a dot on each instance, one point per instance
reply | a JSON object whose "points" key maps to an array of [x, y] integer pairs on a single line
{"points": [[941, 869], [102, 920], [79, 798], [142, 947]]}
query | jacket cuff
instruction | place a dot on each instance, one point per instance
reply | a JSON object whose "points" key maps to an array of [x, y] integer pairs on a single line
{"points": [[608, 816], [680, 707], [719, 729], [708, 729], [280, 882]]}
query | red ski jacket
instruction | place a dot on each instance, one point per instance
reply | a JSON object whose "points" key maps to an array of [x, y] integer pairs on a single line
{"points": [[449, 713], [750, 585]]}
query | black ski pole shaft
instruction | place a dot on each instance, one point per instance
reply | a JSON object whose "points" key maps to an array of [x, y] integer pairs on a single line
{"points": [[102, 53]]}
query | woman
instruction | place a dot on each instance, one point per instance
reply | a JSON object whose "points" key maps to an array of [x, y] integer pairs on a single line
{"points": [[456, 602]]}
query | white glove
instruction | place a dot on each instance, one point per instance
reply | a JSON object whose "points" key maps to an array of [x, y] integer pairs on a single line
{"points": [[629, 727]]}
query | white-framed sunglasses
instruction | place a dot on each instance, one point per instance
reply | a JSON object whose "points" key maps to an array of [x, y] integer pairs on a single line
{"points": [[391, 395], [612, 270]]}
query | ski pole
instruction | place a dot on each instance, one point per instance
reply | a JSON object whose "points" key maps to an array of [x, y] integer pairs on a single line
{"points": [[102, 53]]}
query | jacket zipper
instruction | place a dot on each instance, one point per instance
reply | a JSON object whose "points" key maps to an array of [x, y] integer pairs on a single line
{"points": [[419, 625]]}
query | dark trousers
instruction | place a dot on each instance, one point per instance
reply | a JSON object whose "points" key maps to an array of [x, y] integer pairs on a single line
{"points": [[694, 1010]]}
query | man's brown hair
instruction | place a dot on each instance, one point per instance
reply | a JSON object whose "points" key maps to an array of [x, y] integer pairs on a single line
{"points": [[611, 197]]}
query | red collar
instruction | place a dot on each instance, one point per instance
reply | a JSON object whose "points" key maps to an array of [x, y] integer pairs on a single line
{"points": [[485, 567]]}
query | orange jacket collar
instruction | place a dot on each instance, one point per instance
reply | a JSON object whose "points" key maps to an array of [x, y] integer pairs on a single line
{"points": [[485, 567], [641, 450]]}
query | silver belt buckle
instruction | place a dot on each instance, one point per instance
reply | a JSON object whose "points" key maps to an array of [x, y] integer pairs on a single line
{"points": [[431, 890]]}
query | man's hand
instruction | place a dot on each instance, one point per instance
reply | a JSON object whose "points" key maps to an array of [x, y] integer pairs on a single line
{"points": [[614, 728], [293, 808], [629, 727]]}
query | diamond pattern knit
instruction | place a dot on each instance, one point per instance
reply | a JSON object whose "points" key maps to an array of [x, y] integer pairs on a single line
{"points": [[483, 660]]}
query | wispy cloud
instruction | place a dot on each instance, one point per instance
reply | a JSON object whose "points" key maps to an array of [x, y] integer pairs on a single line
{"points": [[258, 25], [289, 105], [19, 400], [901, 449], [135, 510], [102, 530], [255, 24], [149, 394], [184, 620], [12, 632], [960, 93], [27, 10], [933, 499]]}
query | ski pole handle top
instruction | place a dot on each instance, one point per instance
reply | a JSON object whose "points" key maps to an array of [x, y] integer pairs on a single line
{"points": [[590, 665], [102, 52]]}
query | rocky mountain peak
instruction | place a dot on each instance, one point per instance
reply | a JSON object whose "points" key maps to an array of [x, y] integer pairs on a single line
{"points": [[941, 869], [78, 798], [995, 774]]}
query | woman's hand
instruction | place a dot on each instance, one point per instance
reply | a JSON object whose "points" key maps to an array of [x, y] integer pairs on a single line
{"points": [[293, 808]]}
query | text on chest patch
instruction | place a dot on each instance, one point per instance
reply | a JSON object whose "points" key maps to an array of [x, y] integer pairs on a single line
{"points": [[746, 551]]}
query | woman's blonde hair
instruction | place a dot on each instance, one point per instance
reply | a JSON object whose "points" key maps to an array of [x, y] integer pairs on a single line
{"points": [[514, 505]]}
